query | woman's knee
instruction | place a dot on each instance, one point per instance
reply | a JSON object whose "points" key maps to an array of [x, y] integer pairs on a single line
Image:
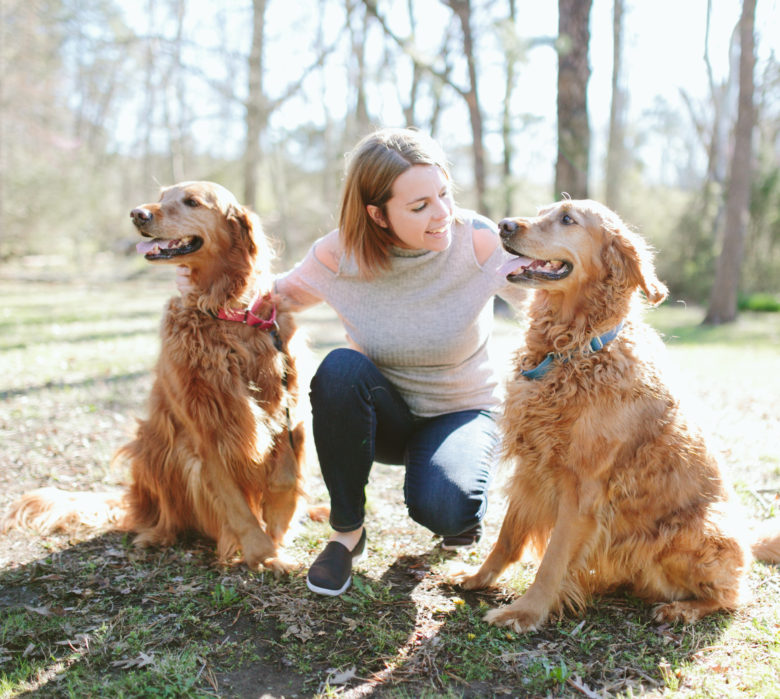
{"points": [[337, 374], [447, 514]]}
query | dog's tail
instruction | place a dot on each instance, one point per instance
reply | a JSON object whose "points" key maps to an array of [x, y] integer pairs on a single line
{"points": [[50, 509], [766, 545]]}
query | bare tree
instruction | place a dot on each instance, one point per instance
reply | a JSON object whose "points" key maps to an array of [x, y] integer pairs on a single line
{"points": [[357, 22], [571, 168], [723, 298], [256, 108], [463, 11], [410, 108], [616, 146], [506, 116]]}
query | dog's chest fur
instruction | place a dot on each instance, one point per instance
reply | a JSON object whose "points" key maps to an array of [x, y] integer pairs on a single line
{"points": [[597, 419], [227, 353]]}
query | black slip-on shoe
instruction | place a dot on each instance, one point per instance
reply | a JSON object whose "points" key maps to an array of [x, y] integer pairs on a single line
{"points": [[331, 572], [462, 540]]}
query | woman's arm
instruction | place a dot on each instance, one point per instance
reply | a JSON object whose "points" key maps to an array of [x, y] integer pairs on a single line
{"points": [[293, 289]]}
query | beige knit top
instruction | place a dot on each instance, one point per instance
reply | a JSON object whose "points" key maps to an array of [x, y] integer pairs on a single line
{"points": [[425, 322]]}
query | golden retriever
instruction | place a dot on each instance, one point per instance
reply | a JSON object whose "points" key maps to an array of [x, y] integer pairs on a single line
{"points": [[612, 484], [221, 450]]}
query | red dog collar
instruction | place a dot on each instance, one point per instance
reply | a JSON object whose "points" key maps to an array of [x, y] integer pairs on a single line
{"points": [[249, 315]]}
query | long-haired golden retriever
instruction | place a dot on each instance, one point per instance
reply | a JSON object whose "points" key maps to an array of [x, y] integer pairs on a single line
{"points": [[611, 484], [220, 452]]}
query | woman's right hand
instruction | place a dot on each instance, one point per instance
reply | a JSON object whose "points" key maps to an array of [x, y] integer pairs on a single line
{"points": [[183, 280]]}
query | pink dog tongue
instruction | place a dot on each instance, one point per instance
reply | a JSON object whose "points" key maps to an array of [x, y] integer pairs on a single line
{"points": [[146, 246], [514, 265]]}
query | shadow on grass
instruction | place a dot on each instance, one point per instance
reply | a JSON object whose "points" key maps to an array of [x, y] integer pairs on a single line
{"points": [[45, 317], [81, 339], [64, 385], [613, 649], [100, 618]]}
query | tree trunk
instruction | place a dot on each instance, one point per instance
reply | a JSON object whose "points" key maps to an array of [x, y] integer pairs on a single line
{"points": [[616, 146], [506, 117], [571, 168], [357, 23], [255, 106], [723, 298], [462, 8], [410, 108]]}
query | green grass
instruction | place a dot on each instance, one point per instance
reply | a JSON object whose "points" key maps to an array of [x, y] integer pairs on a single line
{"points": [[680, 324], [86, 615]]}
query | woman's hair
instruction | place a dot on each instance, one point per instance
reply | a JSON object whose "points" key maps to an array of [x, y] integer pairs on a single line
{"points": [[372, 168]]}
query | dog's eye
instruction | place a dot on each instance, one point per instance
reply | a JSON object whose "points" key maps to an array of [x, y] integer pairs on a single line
{"points": [[189, 201], [567, 220]]}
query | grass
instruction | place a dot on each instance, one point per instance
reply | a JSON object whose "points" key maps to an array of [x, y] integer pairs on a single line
{"points": [[86, 615]]}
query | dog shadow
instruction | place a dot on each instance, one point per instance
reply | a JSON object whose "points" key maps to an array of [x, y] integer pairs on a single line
{"points": [[137, 608], [614, 646]]}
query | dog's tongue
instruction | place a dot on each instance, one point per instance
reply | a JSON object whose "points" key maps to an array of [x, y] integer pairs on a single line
{"points": [[146, 246], [514, 265]]}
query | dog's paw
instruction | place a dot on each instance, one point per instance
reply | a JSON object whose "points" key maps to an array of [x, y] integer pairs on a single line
{"points": [[470, 580], [673, 612], [519, 619], [319, 513], [280, 565]]}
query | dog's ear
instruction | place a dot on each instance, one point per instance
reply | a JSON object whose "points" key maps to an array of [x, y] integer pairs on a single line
{"points": [[243, 223], [629, 258]]}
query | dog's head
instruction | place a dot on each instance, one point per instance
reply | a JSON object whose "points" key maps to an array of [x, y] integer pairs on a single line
{"points": [[576, 247], [201, 225]]}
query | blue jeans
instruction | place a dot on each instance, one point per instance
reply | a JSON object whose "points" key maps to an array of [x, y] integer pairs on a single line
{"points": [[359, 418]]}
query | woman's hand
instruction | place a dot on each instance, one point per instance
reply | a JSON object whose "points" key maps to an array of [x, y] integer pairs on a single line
{"points": [[183, 281]]}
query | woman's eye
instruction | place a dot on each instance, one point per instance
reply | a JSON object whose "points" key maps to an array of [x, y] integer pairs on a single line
{"points": [[190, 202], [567, 220], [419, 208]]}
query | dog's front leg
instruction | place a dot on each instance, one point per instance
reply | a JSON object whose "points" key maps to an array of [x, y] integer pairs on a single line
{"points": [[514, 534], [283, 485], [573, 530], [232, 509]]}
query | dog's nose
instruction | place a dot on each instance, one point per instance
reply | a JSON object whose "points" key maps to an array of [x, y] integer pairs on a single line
{"points": [[141, 216], [507, 227]]}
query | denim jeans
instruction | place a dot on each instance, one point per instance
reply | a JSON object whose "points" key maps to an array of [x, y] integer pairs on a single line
{"points": [[360, 418]]}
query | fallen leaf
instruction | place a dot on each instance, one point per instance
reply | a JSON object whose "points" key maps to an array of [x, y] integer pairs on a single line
{"points": [[43, 611], [342, 677]]}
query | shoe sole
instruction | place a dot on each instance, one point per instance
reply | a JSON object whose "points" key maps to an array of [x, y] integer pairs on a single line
{"points": [[455, 547], [329, 592]]}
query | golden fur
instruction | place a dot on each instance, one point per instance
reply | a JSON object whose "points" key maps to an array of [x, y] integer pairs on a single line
{"points": [[221, 450], [611, 483]]}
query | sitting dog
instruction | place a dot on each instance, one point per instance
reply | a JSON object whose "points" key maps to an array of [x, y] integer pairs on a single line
{"points": [[220, 452], [611, 483]]}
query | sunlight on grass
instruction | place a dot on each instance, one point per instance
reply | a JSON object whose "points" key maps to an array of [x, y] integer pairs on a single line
{"points": [[681, 324], [79, 334]]}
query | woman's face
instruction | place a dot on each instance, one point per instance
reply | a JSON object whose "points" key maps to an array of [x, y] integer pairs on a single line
{"points": [[419, 212]]}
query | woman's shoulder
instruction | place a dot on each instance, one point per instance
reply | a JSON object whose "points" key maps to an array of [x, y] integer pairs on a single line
{"points": [[328, 250], [484, 234]]}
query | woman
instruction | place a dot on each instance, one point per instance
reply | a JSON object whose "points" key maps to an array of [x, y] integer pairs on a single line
{"points": [[413, 279]]}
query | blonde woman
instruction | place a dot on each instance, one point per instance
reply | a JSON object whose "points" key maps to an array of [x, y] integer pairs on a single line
{"points": [[412, 278]]}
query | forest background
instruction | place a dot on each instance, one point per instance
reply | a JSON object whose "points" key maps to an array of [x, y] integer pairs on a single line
{"points": [[103, 101]]}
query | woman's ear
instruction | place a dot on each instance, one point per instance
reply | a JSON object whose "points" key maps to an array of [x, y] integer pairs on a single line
{"points": [[376, 215]]}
